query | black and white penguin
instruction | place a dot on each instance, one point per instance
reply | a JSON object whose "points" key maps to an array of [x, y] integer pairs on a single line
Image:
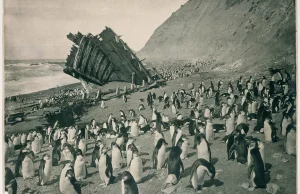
{"points": [[28, 170], [290, 142], [159, 152], [174, 164], [11, 186], [68, 182], [209, 131], [132, 113], [68, 152], [184, 147], [128, 184], [56, 153], [203, 149], [80, 169], [141, 107], [259, 144], [45, 169], [105, 167], [116, 156], [96, 154], [128, 151], [270, 131], [135, 165], [199, 169], [238, 150], [157, 135], [256, 168]]}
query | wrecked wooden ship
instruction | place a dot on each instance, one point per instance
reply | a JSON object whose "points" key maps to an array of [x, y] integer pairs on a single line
{"points": [[105, 58]]}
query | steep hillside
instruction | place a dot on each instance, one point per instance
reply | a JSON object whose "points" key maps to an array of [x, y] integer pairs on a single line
{"points": [[232, 33]]}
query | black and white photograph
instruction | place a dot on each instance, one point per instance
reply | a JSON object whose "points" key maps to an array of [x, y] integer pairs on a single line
{"points": [[149, 97]]}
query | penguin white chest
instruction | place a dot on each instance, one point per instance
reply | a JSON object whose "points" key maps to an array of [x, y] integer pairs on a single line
{"points": [[229, 125], [102, 169], [209, 132], [68, 155], [80, 168], [161, 157], [291, 143], [47, 172], [82, 146], [203, 151], [172, 129], [35, 146], [27, 168], [184, 148], [134, 129], [136, 169], [267, 132], [116, 158]]}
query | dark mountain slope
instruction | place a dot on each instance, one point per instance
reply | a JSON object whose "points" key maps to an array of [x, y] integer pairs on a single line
{"points": [[232, 33]]}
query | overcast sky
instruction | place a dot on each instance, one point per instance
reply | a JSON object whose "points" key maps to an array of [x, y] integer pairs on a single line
{"points": [[37, 29]]}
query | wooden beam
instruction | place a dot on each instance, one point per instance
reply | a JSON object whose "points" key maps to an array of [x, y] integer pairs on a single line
{"points": [[97, 65], [92, 61], [104, 70], [86, 56], [80, 52]]}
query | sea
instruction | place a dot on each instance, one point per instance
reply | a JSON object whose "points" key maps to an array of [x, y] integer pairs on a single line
{"points": [[28, 76]]}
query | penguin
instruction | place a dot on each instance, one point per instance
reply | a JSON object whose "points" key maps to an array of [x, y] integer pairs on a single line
{"points": [[256, 169], [141, 107], [199, 169], [27, 165], [242, 118], [128, 151], [243, 128], [29, 136], [158, 155], [128, 184], [45, 169], [142, 121], [184, 147], [68, 152], [36, 145], [96, 154], [286, 121], [270, 131], [172, 131], [223, 111], [41, 138], [17, 140], [67, 181], [203, 148], [11, 185], [290, 143], [102, 104], [23, 138], [56, 153], [261, 147], [209, 131], [238, 150], [134, 129], [72, 132], [174, 164], [135, 165], [80, 168], [116, 156], [178, 136], [81, 144], [105, 168], [157, 135], [174, 109], [124, 98]]}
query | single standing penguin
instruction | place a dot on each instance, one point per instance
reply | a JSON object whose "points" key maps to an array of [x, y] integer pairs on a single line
{"points": [[128, 184], [203, 148], [157, 135], [159, 152], [286, 121], [105, 168], [11, 186], [270, 131], [27, 165], [178, 136], [229, 124], [45, 169], [174, 164], [199, 169], [135, 165], [80, 168], [56, 153], [134, 129], [96, 154], [69, 152], [172, 130], [116, 156], [290, 143], [68, 183], [184, 147], [82, 144], [261, 147], [256, 169], [36, 145], [242, 118], [209, 131]]}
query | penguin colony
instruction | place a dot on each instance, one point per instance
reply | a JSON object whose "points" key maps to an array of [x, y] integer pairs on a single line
{"points": [[114, 152]]}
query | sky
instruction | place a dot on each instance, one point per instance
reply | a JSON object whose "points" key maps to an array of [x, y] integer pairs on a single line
{"points": [[37, 29]]}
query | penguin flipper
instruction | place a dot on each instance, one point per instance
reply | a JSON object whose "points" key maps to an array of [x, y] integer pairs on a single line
{"points": [[231, 152]]}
